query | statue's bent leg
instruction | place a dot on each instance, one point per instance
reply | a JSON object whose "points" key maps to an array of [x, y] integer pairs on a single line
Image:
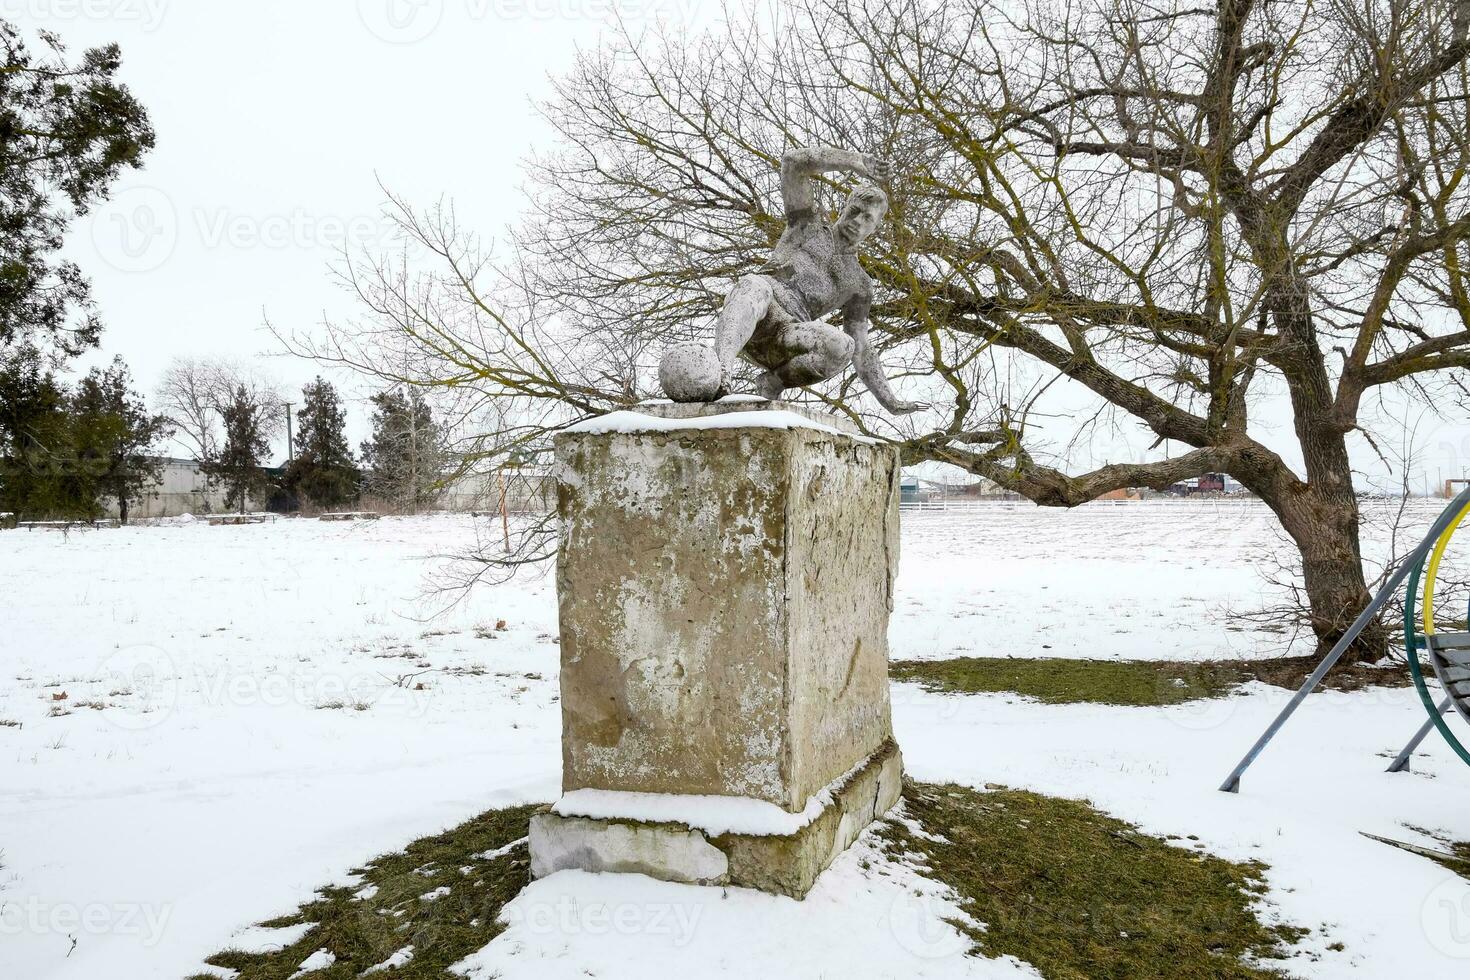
{"points": [[820, 351], [747, 305]]}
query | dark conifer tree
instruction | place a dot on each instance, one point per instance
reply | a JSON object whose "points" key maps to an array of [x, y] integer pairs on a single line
{"points": [[237, 463], [35, 438], [323, 472], [67, 130], [115, 438]]}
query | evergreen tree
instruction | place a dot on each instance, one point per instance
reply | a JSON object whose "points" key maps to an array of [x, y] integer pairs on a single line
{"points": [[36, 451], [114, 437], [237, 462], [405, 458], [323, 472], [67, 130], [62, 453]]}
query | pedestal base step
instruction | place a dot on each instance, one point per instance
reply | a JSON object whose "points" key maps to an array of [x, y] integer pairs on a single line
{"points": [[783, 864]]}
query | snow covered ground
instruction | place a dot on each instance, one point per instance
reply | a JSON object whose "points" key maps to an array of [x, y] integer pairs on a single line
{"points": [[250, 711]]}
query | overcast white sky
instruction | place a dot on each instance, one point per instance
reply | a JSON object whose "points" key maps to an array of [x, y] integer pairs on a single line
{"points": [[277, 118], [275, 121]]}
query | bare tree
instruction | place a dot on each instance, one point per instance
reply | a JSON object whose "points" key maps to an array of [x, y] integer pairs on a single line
{"points": [[189, 394], [501, 367], [1179, 212], [194, 391]]}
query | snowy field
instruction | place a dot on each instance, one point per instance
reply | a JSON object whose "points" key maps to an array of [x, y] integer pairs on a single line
{"points": [[199, 726]]}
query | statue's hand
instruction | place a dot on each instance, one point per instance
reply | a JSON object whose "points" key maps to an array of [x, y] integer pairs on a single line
{"points": [[878, 168], [906, 408]]}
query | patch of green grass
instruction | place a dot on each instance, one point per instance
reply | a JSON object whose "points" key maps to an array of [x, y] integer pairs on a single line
{"points": [[1455, 855], [1078, 894], [1059, 681], [1460, 863], [1083, 896], [363, 932]]}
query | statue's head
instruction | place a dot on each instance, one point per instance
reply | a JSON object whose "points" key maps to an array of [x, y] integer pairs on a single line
{"points": [[860, 216]]}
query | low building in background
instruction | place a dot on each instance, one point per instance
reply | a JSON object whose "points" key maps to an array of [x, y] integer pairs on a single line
{"points": [[182, 489], [526, 489], [1209, 484], [917, 490]]}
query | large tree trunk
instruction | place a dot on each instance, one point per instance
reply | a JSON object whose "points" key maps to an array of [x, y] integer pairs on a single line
{"points": [[1322, 518], [1325, 529], [1321, 515], [1323, 524]]}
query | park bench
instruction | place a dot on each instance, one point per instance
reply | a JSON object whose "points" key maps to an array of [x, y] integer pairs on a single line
{"points": [[62, 525]]}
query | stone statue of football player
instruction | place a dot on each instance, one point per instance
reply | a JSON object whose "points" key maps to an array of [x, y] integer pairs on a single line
{"points": [[773, 317]]}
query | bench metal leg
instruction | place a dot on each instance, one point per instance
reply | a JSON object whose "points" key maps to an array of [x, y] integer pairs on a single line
{"points": [[1386, 592], [1401, 761]]}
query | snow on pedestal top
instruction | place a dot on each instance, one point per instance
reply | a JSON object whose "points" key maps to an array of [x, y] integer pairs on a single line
{"points": [[731, 412]]}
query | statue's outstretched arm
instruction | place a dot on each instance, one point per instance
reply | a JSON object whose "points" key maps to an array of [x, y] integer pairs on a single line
{"points": [[799, 166], [869, 368]]}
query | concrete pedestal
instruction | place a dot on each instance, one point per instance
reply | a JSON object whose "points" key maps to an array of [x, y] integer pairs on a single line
{"points": [[725, 580]]}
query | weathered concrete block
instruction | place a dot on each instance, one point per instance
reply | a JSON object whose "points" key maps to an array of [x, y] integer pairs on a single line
{"points": [[670, 852], [685, 851], [725, 594]]}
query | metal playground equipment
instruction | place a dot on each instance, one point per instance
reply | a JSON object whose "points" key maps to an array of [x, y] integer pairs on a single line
{"points": [[1449, 653]]}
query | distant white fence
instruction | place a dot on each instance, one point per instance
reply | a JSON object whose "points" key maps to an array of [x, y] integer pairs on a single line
{"points": [[1218, 505], [963, 505]]}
